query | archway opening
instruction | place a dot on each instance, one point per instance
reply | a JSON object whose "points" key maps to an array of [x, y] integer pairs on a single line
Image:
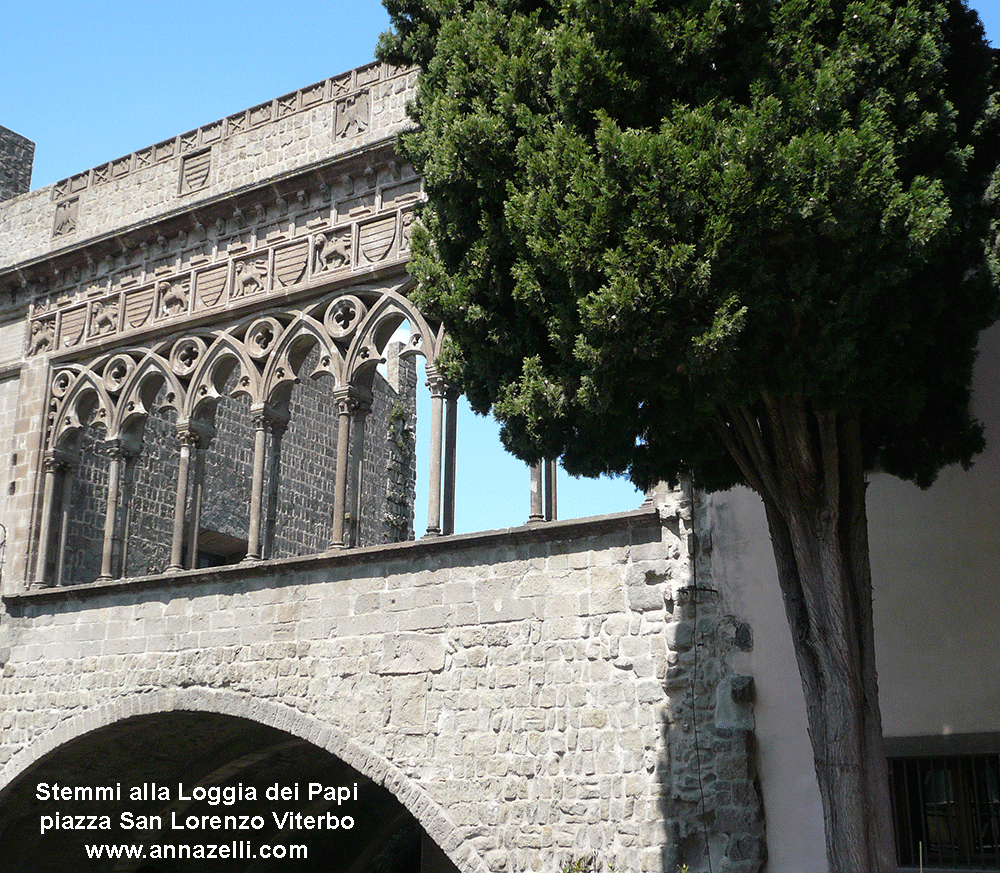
{"points": [[166, 793]]}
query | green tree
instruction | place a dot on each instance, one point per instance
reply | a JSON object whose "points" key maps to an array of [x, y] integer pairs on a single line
{"points": [[752, 240]]}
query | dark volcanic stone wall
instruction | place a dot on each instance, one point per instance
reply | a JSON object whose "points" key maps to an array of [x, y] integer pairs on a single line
{"points": [[303, 521], [16, 157]]}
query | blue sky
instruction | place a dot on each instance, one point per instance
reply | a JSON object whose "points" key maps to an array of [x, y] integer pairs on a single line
{"points": [[89, 82]]}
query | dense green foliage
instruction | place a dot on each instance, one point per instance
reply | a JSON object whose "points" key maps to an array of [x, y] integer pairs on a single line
{"points": [[645, 213]]}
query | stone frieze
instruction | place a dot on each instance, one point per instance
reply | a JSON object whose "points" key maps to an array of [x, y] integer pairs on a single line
{"points": [[360, 221]]}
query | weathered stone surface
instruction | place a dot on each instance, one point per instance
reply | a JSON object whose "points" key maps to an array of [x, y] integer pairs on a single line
{"points": [[16, 156]]}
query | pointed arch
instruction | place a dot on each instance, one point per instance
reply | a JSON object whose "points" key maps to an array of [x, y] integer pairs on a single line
{"points": [[85, 402], [389, 311], [225, 353], [290, 351], [139, 392]]}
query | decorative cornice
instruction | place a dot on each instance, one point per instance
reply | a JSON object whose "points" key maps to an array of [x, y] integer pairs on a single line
{"points": [[269, 245]]}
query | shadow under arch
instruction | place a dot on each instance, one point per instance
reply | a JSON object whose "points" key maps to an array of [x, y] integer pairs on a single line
{"points": [[205, 737]]}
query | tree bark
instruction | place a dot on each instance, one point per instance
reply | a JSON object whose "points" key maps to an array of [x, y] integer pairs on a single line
{"points": [[807, 467]]}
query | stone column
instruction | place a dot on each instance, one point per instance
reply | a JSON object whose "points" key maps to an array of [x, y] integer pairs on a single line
{"points": [[197, 496], [256, 484], [65, 507], [438, 389], [52, 465], [277, 426], [357, 452], [125, 527], [536, 514], [117, 455], [551, 490], [450, 441], [189, 439], [345, 404]]}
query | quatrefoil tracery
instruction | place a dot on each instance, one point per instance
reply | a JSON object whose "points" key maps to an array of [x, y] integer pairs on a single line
{"points": [[266, 353]]}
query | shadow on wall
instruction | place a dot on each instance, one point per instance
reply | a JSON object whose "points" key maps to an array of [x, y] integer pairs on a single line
{"points": [[710, 795]]}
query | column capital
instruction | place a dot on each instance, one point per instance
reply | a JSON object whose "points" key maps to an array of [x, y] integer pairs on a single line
{"points": [[351, 401], [59, 459], [436, 382], [194, 433]]}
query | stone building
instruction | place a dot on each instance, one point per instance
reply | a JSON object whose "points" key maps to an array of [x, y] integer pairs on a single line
{"points": [[219, 635]]}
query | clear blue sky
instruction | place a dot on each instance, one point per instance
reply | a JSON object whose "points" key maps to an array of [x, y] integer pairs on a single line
{"points": [[89, 82]]}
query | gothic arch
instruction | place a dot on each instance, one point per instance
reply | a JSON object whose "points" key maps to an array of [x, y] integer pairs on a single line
{"points": [[256, 358], [431, 816], [139, 389], [282, 368], [205, 385], [73, 412], [388, 312]]}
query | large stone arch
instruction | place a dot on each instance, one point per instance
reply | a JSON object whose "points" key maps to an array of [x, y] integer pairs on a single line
{"points": [[428, 813]]}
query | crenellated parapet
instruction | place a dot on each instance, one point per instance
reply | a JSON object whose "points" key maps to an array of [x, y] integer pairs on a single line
{"points": [[331, 120]]}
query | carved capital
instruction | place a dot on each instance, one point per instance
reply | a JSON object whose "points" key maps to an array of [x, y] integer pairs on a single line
{"points": [[56, 460], [189, 434], [116, 451], [350, 401], [276, 426], [436, 382]]}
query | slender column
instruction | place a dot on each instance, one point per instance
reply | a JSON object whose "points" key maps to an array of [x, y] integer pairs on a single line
{"points": [[438, 388], [257, 484], [189, 438], [65, 507], [126, 524], [277, 426], [52, 465], [197, 496], [551, 490], [450, 440], [536, 513], [345, 402], [357, 453], [117, 454]]}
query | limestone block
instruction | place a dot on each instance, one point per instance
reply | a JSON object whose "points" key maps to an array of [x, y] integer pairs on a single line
{"points": [[407, 652]]}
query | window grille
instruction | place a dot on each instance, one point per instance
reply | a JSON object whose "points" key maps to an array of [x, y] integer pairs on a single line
{"points": [[947, 811]]}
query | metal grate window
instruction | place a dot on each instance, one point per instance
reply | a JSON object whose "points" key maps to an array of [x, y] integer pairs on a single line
{"points": [[947, 811]]}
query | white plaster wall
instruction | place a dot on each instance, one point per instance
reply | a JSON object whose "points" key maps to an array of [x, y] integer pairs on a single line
{"points": [[935, 557], [935, 561], [744, 571]]}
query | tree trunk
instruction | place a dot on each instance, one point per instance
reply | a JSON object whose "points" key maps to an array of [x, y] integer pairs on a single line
{"points": [[807, 467]]}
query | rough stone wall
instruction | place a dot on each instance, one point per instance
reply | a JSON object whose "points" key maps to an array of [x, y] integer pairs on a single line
{"points": [[229, 468], [16, 157], [389, 469], [89, 501], [308, 469], [306, 477], [712, 794], [151, 497], [520, 682]]}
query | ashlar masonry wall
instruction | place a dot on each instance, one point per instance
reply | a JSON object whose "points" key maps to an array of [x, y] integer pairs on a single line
{"points": [[532, 695]]}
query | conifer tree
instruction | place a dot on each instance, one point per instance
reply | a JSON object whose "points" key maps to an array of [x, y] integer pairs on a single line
{"points": [[752, 240]]}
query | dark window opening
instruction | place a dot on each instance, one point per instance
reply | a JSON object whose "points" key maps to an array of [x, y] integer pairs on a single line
{"points": [[216, 549], [947, 811]]}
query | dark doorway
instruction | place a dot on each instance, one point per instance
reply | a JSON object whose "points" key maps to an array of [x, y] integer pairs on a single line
{"points": [[183, 792]]}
